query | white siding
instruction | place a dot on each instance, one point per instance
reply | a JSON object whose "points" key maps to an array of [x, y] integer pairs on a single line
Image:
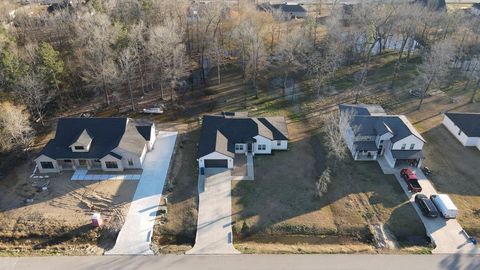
{"points": [[111, 158], [241, 151], [283, 145], [126, 156], [412, 139], [464, 140], [153, 138], [44, 158], [389, 158], [262, 141], [215, 155]]}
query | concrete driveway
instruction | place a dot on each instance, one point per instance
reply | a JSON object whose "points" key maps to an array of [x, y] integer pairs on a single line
{"points": [[445, 233], [214, 229], [136, 234]]}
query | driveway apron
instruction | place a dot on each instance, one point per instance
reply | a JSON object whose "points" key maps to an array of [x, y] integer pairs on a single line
{"points": [[136, 234]]}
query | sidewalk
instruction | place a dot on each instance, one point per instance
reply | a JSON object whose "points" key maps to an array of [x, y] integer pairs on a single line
{"points": [[136, 234]]}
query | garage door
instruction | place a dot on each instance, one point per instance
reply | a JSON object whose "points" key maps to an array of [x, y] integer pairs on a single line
{"points": [[216, 163]]}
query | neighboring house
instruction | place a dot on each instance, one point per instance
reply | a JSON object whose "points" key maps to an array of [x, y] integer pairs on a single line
{"points": [[108, 144], [225, 135], [475, 9], [289, 10], [464, 126], [370, 133], [435, 5]]}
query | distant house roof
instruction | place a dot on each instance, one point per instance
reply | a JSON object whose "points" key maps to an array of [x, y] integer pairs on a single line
{"points": [[220, 133], [371, 120], [285, 7], [469, 123], [106, 134], [363, 109], [433, 4]]}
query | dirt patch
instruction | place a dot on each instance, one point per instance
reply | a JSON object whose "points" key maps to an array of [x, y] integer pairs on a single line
{"points": [[175, 232], [58, 221]]}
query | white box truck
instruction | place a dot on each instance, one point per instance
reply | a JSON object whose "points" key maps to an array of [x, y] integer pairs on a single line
{"points": [[444, 205]]}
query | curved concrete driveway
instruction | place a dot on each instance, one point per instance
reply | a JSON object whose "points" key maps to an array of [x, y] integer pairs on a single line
{"points": [[136, 234], [214, 225]]}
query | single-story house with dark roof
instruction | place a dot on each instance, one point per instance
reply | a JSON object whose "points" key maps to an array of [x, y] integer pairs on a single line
{"points": [[464, 126], [108, 144], [372, 134], [288, 9], [223, 136]]}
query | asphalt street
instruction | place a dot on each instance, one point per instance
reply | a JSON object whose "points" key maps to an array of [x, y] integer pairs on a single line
{"points": [[250, 262]]}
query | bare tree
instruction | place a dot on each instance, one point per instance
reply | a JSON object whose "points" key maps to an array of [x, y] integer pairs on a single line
{"points": [[292, 51], [324, 63], [127, 62], [31, 89], [335, 128], [252, 47], [15, 130], [435, 66], [97, 36], [322, 182], [473, 74]]}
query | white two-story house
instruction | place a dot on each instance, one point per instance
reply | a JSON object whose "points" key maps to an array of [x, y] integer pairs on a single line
{"points": [[370, 133], [225, 135]]}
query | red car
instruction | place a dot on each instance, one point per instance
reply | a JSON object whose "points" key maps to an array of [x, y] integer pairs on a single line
{"points": [[411, 179]]}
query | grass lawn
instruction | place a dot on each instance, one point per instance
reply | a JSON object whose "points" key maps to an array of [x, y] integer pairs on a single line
{"points": [[280, 207], [455, 170]]}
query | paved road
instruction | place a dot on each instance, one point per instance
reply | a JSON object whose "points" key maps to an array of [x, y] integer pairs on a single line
{"points": [[248, 262], [135, 236], [214, 229], [446, 234]]}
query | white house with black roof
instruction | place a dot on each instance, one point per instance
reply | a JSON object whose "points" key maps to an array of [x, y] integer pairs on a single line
{"points": [[223, 136], [371, 134], [464, 126], [108, 144]]}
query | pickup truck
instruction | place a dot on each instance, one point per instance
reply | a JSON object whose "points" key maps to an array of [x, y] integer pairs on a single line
{"points": [[411, 179]]}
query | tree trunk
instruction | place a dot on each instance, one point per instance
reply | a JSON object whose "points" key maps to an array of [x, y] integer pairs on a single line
{"points": [[424, 93], [285, 78], [474, 94], [131, 92], [397, 64]]}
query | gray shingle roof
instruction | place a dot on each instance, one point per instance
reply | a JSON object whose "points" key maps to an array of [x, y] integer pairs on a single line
{"points": [[365, 145], [363, 109], [220, 133], [366, 125], [407, 154], [106, 133], [469, 123]]}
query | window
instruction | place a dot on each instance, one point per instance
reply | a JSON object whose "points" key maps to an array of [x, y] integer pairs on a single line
{"points": [[79, 147], [46, 165], [67, 160], [279, 143], [130, 162], [111, 164], [239, 147], [262, 147], [459, 132], [412, 146], [96, 161], [404, 146]]}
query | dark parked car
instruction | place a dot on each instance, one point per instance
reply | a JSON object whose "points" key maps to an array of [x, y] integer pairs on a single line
{"points": [[411, 179], [426, 205]]}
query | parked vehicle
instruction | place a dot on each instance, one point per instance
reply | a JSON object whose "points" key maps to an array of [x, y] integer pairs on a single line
{"points": [[411, 179], [444, 205], [157, 110], [426, 205]]}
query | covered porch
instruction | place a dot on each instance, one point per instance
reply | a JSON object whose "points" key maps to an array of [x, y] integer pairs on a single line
{"points": [[365, 150], [74, 164]]}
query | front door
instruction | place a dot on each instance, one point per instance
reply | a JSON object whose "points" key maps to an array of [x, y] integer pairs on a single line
{"points": [[249, 147], [82, 163]]}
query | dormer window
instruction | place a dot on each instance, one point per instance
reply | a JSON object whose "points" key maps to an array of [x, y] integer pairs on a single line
{"points": [[82, 142]]}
